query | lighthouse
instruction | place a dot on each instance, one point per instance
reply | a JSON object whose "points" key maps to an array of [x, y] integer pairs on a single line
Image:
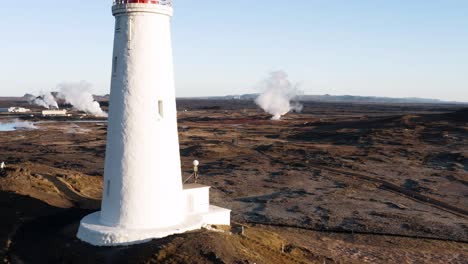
{"points": [[143, 195]]}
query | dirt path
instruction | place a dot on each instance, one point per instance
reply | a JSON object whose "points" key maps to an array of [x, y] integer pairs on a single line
{"points": [[81, 200]]}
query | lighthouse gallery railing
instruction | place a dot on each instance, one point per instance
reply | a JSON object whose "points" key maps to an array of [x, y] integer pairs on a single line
{"points": [[155, 2]]}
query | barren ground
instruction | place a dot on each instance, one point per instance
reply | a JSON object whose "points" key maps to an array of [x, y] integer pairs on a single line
{"points": [[338, 183]]}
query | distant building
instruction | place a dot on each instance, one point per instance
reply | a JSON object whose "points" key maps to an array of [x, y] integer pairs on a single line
{"points": [[54, 113], [14, 110], [19, 110]]}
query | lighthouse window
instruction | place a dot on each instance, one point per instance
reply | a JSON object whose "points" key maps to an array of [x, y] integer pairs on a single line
{"points": [[114, 66], [108, 188], [130, 31], [161, 108]]}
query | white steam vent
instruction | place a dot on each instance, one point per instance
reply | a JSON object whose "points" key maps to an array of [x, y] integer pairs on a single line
{"points": [[79, 95], [45, 99], [278, 95]]}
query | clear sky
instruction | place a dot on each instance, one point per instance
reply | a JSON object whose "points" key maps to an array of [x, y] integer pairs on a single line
{"points": [[397, 48]]}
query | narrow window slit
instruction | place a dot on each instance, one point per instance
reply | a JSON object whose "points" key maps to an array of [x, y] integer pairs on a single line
{"points": [[130, 29], [161, 108], [108, 188], [114, 66]]}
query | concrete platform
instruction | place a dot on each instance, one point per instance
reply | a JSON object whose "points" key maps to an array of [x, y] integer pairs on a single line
{"points": [[198, 213], [94, 233]]}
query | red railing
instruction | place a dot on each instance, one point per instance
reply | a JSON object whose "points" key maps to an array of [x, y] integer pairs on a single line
{"points": [[154, 2]]}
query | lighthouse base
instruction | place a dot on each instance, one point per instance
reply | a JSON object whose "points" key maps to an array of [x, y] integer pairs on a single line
{"points": [[93, 232], [198, 213]]}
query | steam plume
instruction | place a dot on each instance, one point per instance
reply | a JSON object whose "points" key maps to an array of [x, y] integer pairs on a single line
{"points": [[278, 94], [79, 95], [46, 100]]}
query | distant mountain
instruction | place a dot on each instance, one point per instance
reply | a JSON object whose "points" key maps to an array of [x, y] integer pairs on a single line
{"points": [[242, 97], [371, 99], [101, 98], [348, 98], [316, 98], [28, 97]]}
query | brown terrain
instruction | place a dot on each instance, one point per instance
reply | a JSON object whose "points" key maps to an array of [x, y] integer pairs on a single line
{"points": [[338, 183]]}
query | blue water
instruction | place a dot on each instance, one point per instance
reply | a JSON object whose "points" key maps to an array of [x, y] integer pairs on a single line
{"points": [[17, 125], [7, 127]]}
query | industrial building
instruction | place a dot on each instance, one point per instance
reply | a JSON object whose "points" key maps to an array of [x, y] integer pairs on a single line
{"points": [[54, 113], [14, 110]]}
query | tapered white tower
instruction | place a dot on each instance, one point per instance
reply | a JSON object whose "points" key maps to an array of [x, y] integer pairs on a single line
{"points": [[143, 195]]}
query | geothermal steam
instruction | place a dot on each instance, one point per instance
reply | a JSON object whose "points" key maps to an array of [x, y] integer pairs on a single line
{"points": [[79, 95], [278, 94], [45, 100]]}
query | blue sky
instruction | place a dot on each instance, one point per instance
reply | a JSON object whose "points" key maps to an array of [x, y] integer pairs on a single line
{"points": [[397, 48]]}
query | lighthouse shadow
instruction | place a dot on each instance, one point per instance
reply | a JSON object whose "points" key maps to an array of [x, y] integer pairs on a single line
{"points": [[32, 231]]}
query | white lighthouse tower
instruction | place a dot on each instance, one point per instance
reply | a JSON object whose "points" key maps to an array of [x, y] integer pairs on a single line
{"points": [[143, 194]]}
